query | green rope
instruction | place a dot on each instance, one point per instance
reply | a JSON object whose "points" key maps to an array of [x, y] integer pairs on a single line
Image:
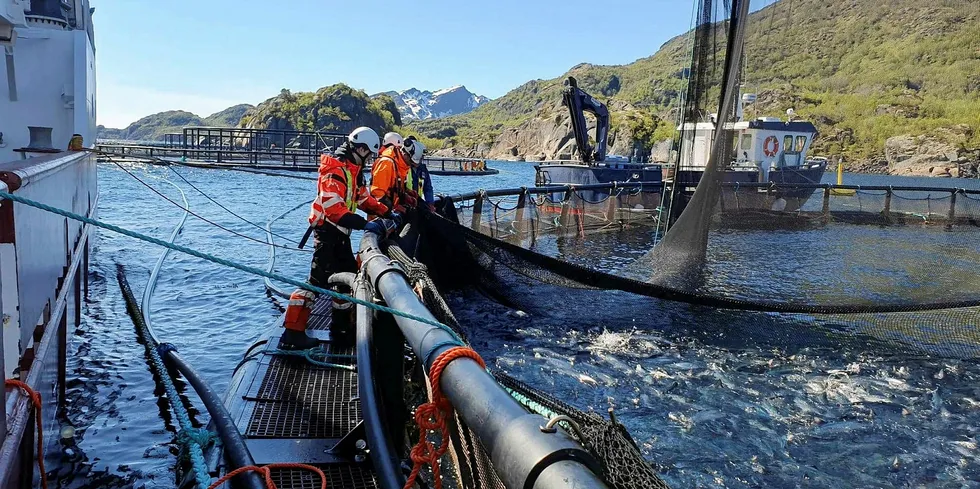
{"points": [[227, 263], [315, 356], [194, 439]]}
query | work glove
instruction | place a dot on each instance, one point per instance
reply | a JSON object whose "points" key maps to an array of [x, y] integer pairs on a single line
{"points": [[381, 227], [413, 194], [410, 202], [397, 218]]}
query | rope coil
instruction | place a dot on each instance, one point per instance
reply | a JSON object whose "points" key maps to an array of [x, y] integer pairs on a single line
{"points": [[432, 416]]}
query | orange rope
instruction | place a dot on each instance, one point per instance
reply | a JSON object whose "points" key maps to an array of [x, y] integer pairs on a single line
{"points": [[432, 415], [266, 471], [36, 400]]}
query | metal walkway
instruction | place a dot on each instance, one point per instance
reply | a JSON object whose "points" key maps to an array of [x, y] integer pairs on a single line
{"points": [[290, 410]]}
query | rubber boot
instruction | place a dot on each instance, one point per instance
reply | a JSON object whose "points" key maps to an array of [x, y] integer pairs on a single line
{"points": [[297, 316]]}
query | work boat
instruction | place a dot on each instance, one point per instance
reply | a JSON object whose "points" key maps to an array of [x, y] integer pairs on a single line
{"points": [[595, 166], [47, 104], [766, 149]]}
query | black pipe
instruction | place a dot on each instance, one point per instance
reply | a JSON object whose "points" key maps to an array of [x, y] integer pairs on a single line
{"points": [[236, 450], [233, 445], [523, 456], [386, 464]]}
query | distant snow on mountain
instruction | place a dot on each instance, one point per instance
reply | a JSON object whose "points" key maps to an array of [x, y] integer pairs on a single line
{"points": [[423, 104]]}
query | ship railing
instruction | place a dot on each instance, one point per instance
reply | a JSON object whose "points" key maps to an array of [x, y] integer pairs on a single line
{"points": [[43, 263], [455, 164]]}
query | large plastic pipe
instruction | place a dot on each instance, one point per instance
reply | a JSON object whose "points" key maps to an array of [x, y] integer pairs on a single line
{"points": [[523, 456], [386, 464]]}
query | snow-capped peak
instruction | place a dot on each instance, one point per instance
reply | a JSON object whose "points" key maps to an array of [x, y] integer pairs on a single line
{"points": [[423, 104]]}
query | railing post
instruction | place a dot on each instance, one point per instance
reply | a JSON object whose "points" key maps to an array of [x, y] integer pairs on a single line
{"points": [[951, 216], [3, 369], [566, 208], [888, 205], [477, 212], [519, 225], [826, 202], [612, 204]]}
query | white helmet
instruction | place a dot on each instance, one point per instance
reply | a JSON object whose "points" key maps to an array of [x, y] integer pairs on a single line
{"points": [[394, 139], [417, 150], [366, 136]]}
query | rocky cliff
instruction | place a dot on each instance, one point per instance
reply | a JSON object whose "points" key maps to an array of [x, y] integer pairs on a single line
{"points": [[938, 153], [334, 108]]}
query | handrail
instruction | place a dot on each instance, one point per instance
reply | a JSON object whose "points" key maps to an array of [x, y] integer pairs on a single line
{"points": [[19, 173], [552, 189], [753, 185]]}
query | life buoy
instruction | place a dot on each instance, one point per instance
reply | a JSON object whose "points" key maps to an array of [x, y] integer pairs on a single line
{"points": [[771, 146]]}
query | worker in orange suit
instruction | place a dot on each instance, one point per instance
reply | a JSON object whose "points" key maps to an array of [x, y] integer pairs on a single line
{"points": [[340, 192], [391, 178]]}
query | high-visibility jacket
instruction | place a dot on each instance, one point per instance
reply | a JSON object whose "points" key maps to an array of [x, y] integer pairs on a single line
{"points": [[422, 182], [391, 175], [339, 193]]}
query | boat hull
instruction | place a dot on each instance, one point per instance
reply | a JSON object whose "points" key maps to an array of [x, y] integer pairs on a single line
{"points": [[783, 179]]}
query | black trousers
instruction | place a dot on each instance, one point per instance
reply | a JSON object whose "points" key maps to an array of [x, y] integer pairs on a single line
{"points": [[332, 254]]}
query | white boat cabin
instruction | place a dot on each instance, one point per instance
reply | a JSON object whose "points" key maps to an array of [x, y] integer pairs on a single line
{"points": [[763, 144]]}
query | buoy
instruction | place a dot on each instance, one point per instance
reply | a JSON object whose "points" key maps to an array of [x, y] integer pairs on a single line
{"points": [[840, 181]]}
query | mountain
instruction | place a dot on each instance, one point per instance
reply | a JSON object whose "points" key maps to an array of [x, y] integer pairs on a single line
{"points": [[229, 117], [334, 108], [863, 71], [415, 104], [154, 126]]}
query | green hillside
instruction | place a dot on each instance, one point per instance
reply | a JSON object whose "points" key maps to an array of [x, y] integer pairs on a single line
{"points": [[333, 108], [228, 117], [862, 70]]}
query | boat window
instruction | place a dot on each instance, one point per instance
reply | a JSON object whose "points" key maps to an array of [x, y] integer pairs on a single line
{"points": [[788, 144], [746, 142], [800, 143]]}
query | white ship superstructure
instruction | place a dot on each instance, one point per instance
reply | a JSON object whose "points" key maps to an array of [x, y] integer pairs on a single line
{"points": [[47, 76]]}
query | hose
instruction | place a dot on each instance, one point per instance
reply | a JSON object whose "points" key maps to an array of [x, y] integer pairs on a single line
{"points": [[234, 448], [271, 287]]}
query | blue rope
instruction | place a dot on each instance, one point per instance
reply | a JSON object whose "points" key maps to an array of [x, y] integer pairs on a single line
{"points": [[227, 263]]}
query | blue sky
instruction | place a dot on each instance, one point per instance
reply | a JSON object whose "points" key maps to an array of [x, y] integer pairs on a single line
{"points": [[205, 55]]}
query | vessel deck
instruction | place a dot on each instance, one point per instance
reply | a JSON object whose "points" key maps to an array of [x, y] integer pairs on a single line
{"points": [[291, 410]]}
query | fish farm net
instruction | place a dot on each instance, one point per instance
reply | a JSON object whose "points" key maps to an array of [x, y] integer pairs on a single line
{"points": [[623, 466], [897, 266]]}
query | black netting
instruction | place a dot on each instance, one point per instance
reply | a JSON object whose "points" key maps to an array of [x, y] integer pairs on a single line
{"points": [[608, 441], [863, 258]]}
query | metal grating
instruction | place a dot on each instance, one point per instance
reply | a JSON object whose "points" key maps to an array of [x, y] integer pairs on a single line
{"points": [[300, 400], [338, 476], [320, 316]]}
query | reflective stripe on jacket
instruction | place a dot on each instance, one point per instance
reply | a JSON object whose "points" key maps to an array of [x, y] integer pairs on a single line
{"points": [[338, 194]]}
